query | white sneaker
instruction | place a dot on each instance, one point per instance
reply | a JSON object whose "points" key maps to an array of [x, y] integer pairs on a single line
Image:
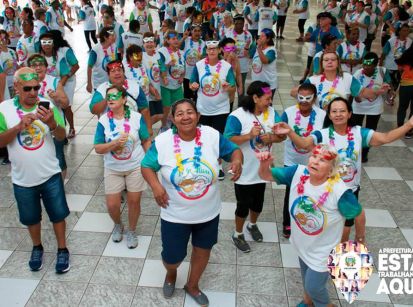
{"points": [[132, 239], [117, 233]]}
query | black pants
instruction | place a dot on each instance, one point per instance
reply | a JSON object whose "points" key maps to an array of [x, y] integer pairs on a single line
{"points": [[395, 79], [249, 197], [369, 40], [254, 34], [281, 22], [371, 122], [286, 211], [301, 23], [217, 122], [188, 93], [405, 99], [91, 34]]}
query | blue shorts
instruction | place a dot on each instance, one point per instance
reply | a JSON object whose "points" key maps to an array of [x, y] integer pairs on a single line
{"points": [[60, 154], [175, 237], [52, 193]]}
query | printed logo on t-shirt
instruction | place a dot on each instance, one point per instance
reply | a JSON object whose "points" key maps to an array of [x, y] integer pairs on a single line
{"points": [[177, 71], [193, 183], [256, 65], [32, 138], [191, 57], [210, 85], [124, 152], [155, 73], [347, 166], [309, 220]]}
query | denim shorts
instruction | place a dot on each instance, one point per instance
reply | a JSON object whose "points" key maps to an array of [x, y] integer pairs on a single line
{"points": [[175, 238], [60, 154], [52, 193]]}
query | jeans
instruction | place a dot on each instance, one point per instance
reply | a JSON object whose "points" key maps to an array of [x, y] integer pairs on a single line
{"points": [[315, 285]]}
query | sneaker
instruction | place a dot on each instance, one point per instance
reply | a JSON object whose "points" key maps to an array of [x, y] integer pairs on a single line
{"points": [[62, 262], [5, 161], [286, 231], [221, 175], [282, 37], [409, 135], [240, 243], [117, 233], [255, 232], [132, 239], [168, 289], [200, 298], [36, 259]]}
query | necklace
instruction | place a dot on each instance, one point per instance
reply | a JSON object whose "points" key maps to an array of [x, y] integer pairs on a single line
{"points": [[323, 198], [18, 107], [350, 140], [331, 91], [215, 75], [197, 150], [172, 55], [43, 88], [126, 125], [297, 121]]}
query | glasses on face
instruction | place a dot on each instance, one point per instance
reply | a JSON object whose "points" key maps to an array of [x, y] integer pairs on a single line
{"points": [[30, 88], [37, 64], [304, 99], [46, 42], [113, 96]]}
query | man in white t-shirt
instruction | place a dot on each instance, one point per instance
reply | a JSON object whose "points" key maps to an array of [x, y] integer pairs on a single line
{"points": [[27, 128]]}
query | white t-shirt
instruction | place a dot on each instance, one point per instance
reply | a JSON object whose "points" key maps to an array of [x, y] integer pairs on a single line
{"points": [[32, 153], [314, 233], [89, 23], [242, 41], [26, 47], [56, 20], [368, 107], [397, 47], [300, 5], [175, 72], [360, 18], [138, 74], [265, 72], [283, 5], [266, 18], [8, 62], [101, 59], [212, 99], [129, 38], [252, 9], [193, 51], [293, 155], [129, 157], [151, 64], [353, 52], [240, 122], [181, 16]]}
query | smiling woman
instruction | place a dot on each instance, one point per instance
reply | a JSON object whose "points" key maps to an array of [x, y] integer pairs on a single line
{"points": [[187, 158]]}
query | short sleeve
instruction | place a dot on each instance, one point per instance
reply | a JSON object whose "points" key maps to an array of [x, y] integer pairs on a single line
{"points": [[99, 134], [3, 123], [143, 130], [386, 77], [366, 135], [230, 77], [340, 51], [63, 68], [195, 75], [71, 58], [161, 62], [284, 175], [277, 118], [92, 58], [271, 56], [226, 148], [151, 159], [348, 205], [233, 127], [355, 87], [96, 98], [141, 100], [386, 48], [48, 17], [284, 117]]}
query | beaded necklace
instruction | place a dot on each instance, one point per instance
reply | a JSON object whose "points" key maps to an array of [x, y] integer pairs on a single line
{"points": [[197, 150], [297, 122], [332, 89], [350, 140], [215, 76], [126, 125], [323, 198]]}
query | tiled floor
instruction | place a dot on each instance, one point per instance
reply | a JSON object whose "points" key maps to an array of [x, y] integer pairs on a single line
{"points": [[107, 274]]}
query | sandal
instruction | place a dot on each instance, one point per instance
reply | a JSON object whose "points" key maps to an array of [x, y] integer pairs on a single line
{"points": [[71, 134]]}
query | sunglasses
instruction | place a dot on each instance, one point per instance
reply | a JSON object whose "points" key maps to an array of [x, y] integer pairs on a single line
{"points": [[304, 99], [30, 88], [149, 39], [230, 48], [46, 42], [113, 96]]}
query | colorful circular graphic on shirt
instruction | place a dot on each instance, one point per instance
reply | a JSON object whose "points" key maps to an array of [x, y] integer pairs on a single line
{"points": [[256, 65], [177, 71], [240, 45], [191, 56], [309, 220], [32, 138], [22, 52], [60, 20], [155, 73], [142, 19], [348, 166], [257, 145], [10, 66], [210, 85], [125, 152], [193, 183]]}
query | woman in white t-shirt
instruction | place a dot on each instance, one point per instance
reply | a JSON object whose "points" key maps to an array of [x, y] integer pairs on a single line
{"points": [[250, 127], [319, 203], [349, 140], [122, 137], [87, 14], [186, 158]]}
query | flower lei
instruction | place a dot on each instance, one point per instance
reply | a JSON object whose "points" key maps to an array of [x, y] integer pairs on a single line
{"points": [[126, 125], [18, 107], [350, 53], [350, 140], [323, 198], [172, 55], [197, 150], [310, 126], [215, 75], [373, 77], [43, 88], [112, 52], [246, 40], [330, 91], [134, 74]]}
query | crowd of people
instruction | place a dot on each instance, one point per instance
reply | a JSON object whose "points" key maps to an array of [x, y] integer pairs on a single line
{"points": [[190, 75]]}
